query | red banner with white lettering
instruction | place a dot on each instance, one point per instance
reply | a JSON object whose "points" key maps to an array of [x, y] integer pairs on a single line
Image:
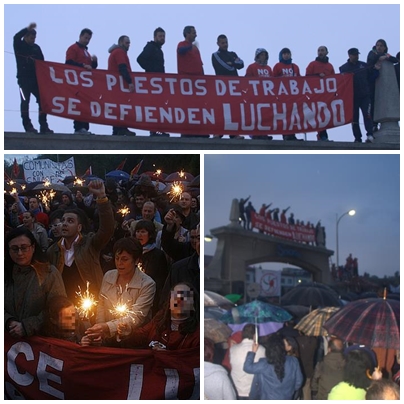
{"points": [[197, 104], [47, 368], [283, 230]]}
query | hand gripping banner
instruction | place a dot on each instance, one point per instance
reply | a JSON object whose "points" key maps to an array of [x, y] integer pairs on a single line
{"points": [[197, 104], [47, 368]]}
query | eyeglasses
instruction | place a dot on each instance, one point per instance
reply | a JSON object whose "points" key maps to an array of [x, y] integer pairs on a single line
{"points": [[24, 248]]}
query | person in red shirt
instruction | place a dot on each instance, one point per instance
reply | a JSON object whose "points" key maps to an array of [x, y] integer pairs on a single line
{"points": [[78, 55], [260, 68], [285, 68], [321, 67], [189, 60], [118, 62]]}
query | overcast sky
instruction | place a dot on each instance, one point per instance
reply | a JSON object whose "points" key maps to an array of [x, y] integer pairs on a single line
{"points": [[317, 187], [302, 28]]}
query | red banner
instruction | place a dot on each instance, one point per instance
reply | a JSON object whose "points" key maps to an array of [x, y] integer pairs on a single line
{"points": [[197, 104], [283, 230], [47, 368]]}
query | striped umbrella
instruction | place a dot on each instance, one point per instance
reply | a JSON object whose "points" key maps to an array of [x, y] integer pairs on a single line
{"points": [[371, 322], [312, 323]]}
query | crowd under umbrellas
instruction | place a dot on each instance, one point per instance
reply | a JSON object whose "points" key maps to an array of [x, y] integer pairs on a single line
{"points": [[367, 323]]}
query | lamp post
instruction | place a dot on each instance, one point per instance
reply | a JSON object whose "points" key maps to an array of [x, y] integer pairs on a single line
{"points": [[350, 213]]}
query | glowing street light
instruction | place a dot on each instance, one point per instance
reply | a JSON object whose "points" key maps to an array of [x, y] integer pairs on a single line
{"points": [[350, 213]]}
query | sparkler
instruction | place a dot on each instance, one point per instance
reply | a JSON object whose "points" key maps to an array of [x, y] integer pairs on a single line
{"points": [[175, 191], [158, 172], [47, 183], [86, 304], [124, 211], [139, 267], [46, 197], [23, 187], [78, 181]]}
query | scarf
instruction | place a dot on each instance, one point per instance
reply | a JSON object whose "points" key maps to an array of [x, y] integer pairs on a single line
{"points": [[148, 247]]}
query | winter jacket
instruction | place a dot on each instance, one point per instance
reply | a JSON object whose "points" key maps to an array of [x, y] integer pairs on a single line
{"points": [[344, 391], [363, 76], [87, 250], [217, 384], [25, 56], [266, 385], [319, 66], [152, 58], [26, 298], [226, 63], [327, 374]]}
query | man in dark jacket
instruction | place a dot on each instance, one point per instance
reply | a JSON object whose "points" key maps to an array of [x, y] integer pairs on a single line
{"points": [[78, 55], [152, 60], [330, 371], [26, 52], [363, 74]]}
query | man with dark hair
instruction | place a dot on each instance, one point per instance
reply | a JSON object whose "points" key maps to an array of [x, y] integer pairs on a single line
{"points": [[224, 62], [118, 62], [320, 67], [78, 55], [152, 60], [188, 57], [77, 256], [26, 51], [238, 352], [383, 389], [363, 75], [330, 371]]}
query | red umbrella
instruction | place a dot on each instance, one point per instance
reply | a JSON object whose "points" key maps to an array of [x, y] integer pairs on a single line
{"points": [[371, 322]]}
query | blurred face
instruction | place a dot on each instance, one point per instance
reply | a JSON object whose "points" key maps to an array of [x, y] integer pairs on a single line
{"points": [[124, 263], [67, 319], [181, 300], [286, 55], [27, 220], [185, 201], [191, 36], [353, 58], [33, 204], [70, 225], [322, 52], [139, 201], [143, 236], [65, 199], [160, 38], [380, 48], [21, 250], [30, 39], [85, 39], [148, 211], [223, 44], [56, 228]]}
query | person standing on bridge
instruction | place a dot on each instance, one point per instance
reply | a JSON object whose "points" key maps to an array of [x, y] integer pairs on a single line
{"points": [[26, 51], [118, 62], [78, 55], [321, 67]]}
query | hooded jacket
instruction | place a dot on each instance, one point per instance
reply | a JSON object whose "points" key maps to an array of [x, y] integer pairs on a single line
{"points": [[217, 383], [118, 62]]}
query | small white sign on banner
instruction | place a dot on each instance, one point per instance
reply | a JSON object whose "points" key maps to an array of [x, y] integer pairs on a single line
{"points": [[45, 169], [270, 282]]}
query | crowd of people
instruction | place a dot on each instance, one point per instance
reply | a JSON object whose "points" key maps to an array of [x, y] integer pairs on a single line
{"points": [[146, 259], [288, 365], [189, 62]]}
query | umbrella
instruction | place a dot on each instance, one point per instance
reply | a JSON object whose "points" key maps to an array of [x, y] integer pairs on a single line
{"points": [[312, 323], [118, 175], [216, 330], [179, 176], [256, 312], [297, 311], [213, 312], [262, 328], [234, 297], [195, 183], [371, 322], [54, 187], [154, 176], [311, 294], [214, 299]]}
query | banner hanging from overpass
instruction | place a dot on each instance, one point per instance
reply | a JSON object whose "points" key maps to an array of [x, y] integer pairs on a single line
{"points": [[197, 104]]}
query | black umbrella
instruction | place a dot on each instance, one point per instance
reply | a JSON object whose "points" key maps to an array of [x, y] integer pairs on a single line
{"points": [[311, 295]]}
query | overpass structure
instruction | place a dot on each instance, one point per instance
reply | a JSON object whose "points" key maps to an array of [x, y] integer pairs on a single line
{"points": [[238, 248]]}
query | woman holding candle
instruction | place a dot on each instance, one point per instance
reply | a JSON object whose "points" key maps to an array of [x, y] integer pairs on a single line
{"points": [[126, 294]]}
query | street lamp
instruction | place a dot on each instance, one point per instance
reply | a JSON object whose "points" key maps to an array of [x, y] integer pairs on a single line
{"points": [[208, 238], [350, 213]]}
